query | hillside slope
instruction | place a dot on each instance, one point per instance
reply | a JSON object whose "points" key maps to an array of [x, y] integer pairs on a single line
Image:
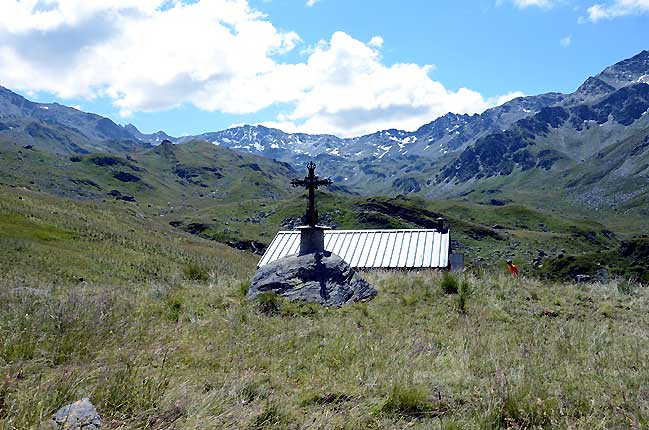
{"points": [[195, 174]]}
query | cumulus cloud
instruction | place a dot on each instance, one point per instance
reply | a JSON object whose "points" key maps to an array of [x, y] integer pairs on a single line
{"points": [[616, 9], [219, 55], [145, 54], [350, 92], [565, 41], [310, 3], [376, 41]]}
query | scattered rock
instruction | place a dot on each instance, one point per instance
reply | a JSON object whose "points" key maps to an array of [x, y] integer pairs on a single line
{"points": [[496, 202], [328, 219], [322, 278], [126, 177], [247, 245], [80, 415], [497, 227], [103, 161], [196, 228], [259, 217], [608, 234], [86, 182], [550, 313], [291, 222], [582, 278], [602, 276], [120, 196]]}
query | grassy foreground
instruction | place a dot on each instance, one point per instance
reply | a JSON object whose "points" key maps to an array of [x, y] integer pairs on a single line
{"points": [[151, 323], [196, 354]]}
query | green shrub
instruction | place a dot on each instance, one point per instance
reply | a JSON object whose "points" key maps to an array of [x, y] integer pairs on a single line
{"points": [[297, 308], [626, 287], [607, 309], [449, 284], [406, 401], [128, 390], [522, 409], [174, 307], [253, 390], [21, 412], [272, 417], [463, 295], [195, 272], [409, 299], [244, 286], [268, 303], [451, 425]]}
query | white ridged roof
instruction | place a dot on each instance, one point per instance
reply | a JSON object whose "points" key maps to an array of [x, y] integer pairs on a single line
{"points": [[372, 248]]}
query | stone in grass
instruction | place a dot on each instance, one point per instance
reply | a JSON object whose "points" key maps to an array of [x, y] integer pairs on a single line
{"points": [[80, 415], [320, 277]]}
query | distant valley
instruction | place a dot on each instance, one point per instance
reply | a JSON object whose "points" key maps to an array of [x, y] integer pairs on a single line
{"points": [[524, 178]]}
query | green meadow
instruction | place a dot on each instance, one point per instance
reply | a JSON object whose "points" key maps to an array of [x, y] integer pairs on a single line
{"points": [[107, 302]]}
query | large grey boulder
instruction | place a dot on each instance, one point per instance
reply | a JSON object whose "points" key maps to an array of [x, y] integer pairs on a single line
{"points": [[320, 277], [80, 415]]}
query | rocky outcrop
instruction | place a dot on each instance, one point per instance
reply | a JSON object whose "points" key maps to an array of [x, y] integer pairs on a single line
{"points": [[76, 416], [322, 278]]}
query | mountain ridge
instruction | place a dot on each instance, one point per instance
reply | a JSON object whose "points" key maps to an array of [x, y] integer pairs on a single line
{"points": [[542, 137]]}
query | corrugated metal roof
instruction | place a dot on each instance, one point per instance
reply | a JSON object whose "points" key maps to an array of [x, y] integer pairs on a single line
{"points": [[372, 248]]}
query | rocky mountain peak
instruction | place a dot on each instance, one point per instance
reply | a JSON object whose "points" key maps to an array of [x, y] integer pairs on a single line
{"points": [[592, 89], [627, 72]]}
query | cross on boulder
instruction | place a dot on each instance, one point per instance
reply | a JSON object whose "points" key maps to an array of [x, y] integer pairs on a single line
{"points": [[311, 182]]}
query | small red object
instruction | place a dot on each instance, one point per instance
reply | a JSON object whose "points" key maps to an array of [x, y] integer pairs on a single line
{"points": [[511, 268]]}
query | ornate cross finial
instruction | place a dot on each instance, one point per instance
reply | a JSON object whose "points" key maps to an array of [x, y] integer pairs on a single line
{"points": [[311, 182]]}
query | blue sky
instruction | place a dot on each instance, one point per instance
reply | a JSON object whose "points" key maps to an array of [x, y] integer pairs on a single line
{"points": [[491, 46], [341, 67]]}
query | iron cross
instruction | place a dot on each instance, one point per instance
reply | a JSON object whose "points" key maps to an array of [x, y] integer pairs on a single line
{"points": [[311, 182]]}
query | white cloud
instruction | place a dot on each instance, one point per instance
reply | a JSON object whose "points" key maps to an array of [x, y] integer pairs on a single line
{"points": [[219, 55], [616, 9], [497, 101], [350, 92], [310, 3], [376, 42], [565, 41], [522, 4], [146, 55]]}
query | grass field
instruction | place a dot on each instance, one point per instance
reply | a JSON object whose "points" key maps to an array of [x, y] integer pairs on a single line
{"points": [[189, 355], [151, 323]]}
